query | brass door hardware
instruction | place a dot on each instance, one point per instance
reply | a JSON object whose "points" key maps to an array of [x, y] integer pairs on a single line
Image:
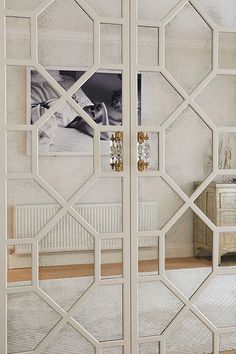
{"points": [[116, 151], [143, 151]]}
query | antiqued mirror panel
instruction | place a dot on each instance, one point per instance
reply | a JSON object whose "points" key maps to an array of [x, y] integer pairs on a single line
{"points": [[65, 36], [102, 8], [188, 152], [148, 255], [19, 160], [156, 299], [219, 13], [189, 335], [227, 341], [153, 347], [223, 288], [189, 248], [187, 236], [96, 309], [26, 324], [18, 29], [148, 46], [112, 255], [188, 48], [220, 90], [19, 265], [17, 94], [102, 205], [66, 261], [28, 5], [157, 99], [29, 207], [227, 50], [69, 339], [157, 203], [154, 10], [111, 37], [67, 196], [121, 198]]}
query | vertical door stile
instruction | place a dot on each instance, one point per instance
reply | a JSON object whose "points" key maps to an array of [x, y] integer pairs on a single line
{"points": [[133, 180], [126, 185], [3, 210]]}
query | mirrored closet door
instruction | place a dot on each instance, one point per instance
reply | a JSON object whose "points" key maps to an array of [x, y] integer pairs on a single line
{"points": [[183, 117], [67, 200], [118, 192]]}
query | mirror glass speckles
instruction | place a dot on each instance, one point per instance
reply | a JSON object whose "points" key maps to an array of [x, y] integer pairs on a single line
{"points": [[111, 36], [189, 335], [30, 208], [157, 306], [114, 350], [227, 341], [66, 261], [188, 48], [221, 90], [103, 305], [113, 8], [16, 90], [27, 5], [227, 151], [227, 50], [19, 155], [26, 324], [157, 99], [69, 340], [220, 309], [111, 258], [148, 255], [149, 348], [18, 38], [188, 150], [188, 262], [65, 144], [148, 46], [220, 13], [157, 203], [101, 206], [65, 36], [153, 10], [19, 272]]}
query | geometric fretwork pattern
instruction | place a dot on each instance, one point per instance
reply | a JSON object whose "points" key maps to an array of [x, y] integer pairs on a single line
{"points": [[66, 36], [188, 60], [59, 322]]}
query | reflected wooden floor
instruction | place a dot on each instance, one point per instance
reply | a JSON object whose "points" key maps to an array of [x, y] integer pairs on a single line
{"points": [[69, 271]]}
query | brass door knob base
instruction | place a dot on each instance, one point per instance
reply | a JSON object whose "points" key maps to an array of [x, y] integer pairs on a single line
{"points": [[142, 165]]}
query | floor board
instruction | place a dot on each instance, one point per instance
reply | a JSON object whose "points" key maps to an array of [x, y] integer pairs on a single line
{"points": [[69, 271]]}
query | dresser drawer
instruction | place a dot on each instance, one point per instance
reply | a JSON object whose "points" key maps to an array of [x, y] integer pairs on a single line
{"points": [[227, 218], [229, 240], [228, 200]]}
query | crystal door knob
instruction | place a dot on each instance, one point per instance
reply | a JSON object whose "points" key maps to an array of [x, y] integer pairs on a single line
{"points": [[116, 151], [144, 151]]}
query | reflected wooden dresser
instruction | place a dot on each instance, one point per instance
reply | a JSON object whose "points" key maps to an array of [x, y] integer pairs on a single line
{"points": [[218, 202]]}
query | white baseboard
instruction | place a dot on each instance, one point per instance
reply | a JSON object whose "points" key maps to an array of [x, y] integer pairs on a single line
{"points": [[87, 257]]}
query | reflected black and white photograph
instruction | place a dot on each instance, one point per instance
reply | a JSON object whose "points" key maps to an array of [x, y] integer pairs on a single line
{"points": [[66, 131]]}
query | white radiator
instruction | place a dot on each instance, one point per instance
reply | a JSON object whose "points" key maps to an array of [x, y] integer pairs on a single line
{"points": [[69, 235]]}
